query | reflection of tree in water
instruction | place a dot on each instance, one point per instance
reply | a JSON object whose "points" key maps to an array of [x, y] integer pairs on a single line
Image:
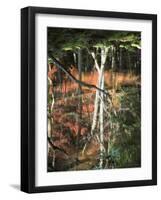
{"points": [[93, 112]]}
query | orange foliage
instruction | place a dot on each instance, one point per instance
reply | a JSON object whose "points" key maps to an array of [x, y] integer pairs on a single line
{"points": [[87, 108], [112, 79], [70, 105], [51, 72]]}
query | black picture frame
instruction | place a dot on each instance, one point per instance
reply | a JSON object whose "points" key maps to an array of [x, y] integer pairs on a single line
{"points": [[28, 98]]}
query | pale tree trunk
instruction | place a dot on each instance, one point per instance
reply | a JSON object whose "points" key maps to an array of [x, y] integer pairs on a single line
{"points": [[74, 58], [50, 119], [113, 66], [95, 113], [53, 101], [101, 113], [96, 102], [50, 122], [96, 105], [101, 122], [50, 135], [49, 127]]}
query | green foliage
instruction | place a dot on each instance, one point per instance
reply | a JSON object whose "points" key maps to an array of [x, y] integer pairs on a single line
{"points": [[72, 39], [125, 143]]}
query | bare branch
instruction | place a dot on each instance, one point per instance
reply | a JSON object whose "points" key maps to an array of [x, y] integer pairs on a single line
{"points": [[60, 66], [55, 147]]}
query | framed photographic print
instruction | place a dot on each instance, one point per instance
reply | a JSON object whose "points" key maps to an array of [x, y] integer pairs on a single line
{"points": [[88, 99]]}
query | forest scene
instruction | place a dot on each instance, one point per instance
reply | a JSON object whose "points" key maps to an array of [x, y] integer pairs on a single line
{"points": [[93, 99]]}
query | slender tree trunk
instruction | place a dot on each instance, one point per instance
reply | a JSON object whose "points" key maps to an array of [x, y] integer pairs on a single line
{"points": [[50, 120], [52, 95], [101, 113], [101, 122], [49, 136], [80, 67], [96, 102], [75, 58], [96, 105], [49, 127], [99, 95], [129, 62], [113, 67], [120, 59]]}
